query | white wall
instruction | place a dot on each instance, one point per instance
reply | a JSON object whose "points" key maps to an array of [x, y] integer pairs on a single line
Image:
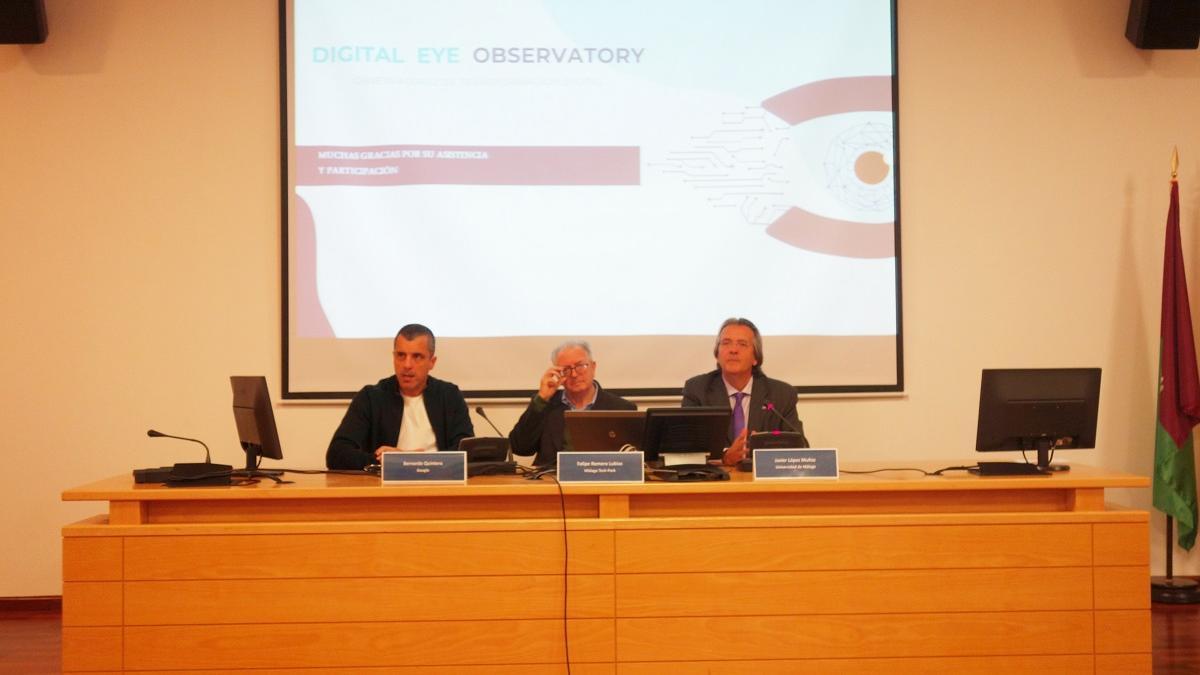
{"points": [[139, 239]]}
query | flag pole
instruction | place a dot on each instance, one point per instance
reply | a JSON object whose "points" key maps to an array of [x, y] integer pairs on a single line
{"points": [[1168, 589], [1170, 549]]}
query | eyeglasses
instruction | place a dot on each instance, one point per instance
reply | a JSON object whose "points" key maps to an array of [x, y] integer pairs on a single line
{"points": [[580, 368]]}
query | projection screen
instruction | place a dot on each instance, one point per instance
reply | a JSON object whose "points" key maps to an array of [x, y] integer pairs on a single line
{"points": [[513, 174]]}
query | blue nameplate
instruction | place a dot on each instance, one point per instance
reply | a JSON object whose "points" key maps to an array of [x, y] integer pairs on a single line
{"points": [[601, 467], [791, 463], [424, 467]]}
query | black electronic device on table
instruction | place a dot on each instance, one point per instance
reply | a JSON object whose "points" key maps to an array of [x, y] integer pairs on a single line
{"points": [[767, 440], [255, 423], [604, 430], [1039, 410], [185, 473], [686, 430], [256, 431], [488, 456]]}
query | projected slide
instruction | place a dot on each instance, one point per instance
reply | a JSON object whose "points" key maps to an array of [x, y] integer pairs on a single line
{"points": [[541, 169]]}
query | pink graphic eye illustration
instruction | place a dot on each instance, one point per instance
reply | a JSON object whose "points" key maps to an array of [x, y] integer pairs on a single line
{"points": [[858, 168]]}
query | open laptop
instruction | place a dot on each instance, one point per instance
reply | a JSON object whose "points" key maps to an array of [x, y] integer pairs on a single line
{"points": [[604, 430]]}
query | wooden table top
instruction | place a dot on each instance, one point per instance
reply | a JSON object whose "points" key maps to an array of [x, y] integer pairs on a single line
{"points": [[334, 486]]}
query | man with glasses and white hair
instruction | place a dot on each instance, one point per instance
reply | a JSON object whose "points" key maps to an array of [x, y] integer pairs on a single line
{"points": [[758, 402], [542, 427]]}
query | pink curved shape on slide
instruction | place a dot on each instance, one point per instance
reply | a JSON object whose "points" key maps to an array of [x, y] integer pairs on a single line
{"points": [[311, 321], [848, 239], [831, 97]]}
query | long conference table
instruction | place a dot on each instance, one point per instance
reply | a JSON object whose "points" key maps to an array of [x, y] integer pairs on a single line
{"points": [[885, 573]]}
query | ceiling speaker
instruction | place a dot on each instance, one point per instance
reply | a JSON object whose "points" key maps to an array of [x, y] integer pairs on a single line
{"points": [[22, 22], [1164, 24]]}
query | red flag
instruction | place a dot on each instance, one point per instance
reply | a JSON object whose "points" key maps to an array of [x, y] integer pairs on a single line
{"points": [[1178, 391]]}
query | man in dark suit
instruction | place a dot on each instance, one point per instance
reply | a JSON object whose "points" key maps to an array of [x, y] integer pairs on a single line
{"points": [[408, 411], [542, 427], [759, 403]]}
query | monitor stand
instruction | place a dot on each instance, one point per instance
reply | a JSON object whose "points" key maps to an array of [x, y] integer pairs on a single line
{"points": [[1043, 467], [252, 470], [1044, 445]]}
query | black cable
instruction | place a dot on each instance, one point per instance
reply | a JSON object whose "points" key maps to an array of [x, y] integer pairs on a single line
{"points": [[1049, 458], [922, 471], [536, 473], [236, 479], [273, 474], [562, 502], [954, 468], [373, 470], [344, 472], [657, 474]]}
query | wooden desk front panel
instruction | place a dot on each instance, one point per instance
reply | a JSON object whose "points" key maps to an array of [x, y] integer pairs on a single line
{"points": [[265, 600], [733, 599], [1062, 597], [758, 591]]}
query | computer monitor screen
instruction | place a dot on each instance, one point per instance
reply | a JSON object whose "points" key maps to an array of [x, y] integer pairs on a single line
{"points": [[1042, 409], [687, 430], [254, 419], [604, 430]]}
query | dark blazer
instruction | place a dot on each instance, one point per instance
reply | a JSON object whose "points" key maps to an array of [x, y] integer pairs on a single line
{"points": [[542, 427], [373, 419], [709, 390]]}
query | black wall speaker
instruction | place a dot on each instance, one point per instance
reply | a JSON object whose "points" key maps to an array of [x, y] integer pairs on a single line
{"points": [[22, 22], [1164, 24]]}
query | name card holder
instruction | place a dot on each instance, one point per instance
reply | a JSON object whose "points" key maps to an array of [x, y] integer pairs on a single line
{"points": [[795, 463], [601, 467], [423, 467]]}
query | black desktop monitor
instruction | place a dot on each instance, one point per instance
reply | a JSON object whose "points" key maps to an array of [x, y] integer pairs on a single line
{"points": [[604, 430], [1042, 409], [686, 430], [255, 421]]}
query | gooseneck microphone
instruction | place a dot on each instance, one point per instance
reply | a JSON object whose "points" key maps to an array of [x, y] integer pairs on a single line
{"points": [[770, 407], [158, 434], [479, 411]]}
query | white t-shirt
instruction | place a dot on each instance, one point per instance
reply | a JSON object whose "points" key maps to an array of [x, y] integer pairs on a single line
{"points": [[416, 433]]}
